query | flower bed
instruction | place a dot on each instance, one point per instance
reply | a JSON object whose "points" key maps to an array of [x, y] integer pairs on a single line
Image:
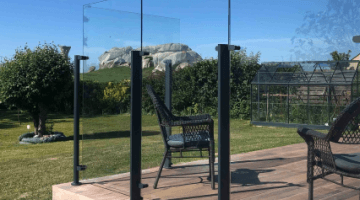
{"points": [[30, 138]]}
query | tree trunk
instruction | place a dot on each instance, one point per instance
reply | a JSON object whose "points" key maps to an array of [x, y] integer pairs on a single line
{"points": [[36, 123], [42, 120]]}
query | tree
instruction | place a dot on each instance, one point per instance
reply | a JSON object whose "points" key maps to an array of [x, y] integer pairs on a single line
{"points": [[325, 31], [340, 56], [32, 81]]}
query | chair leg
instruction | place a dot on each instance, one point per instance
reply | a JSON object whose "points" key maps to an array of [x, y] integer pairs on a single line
{"points": [[311, 189], [210, 160], [311, 170], [159, 172]]}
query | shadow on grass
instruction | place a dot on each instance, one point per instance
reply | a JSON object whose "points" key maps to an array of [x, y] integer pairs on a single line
{"points": [[112, 134], [13, 118], [8, 125]]}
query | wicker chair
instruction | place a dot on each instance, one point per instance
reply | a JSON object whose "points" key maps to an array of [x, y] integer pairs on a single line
{"points": [[197, 135], [320, 159]]}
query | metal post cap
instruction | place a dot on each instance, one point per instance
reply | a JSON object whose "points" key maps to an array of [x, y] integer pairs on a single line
{"points": [[231, 48], [143, 53], [356, 39]]}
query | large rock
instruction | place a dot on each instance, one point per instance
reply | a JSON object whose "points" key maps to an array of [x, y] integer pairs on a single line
{"points": [[65, 50], [91, 69], [183, 58], [147, 62], [177, 53]]}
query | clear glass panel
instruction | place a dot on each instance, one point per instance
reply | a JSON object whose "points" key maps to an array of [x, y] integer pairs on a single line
{"points": [[109, 37], [302, 43]]}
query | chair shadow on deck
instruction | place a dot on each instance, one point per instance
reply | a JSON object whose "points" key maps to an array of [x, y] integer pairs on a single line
{"points": [[246, 175]]}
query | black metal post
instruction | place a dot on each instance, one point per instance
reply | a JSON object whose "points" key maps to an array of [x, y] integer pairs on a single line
{"points": [[288, 104], [308, 104], [224, 122], [258, 96], [267, 103], [251, 102], [168, 94], [77, 167], [135, 125], [329, 105], [357, 82]]}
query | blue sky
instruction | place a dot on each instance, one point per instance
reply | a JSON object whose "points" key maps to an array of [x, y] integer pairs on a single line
{"points": [[259, 25]]}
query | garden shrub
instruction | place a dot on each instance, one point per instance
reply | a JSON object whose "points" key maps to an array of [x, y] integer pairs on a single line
{"points": [[117, 97], [93, 95]]}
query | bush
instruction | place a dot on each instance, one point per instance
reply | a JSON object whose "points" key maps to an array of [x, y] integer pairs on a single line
{"points": [[93, 93], [117, 97]]}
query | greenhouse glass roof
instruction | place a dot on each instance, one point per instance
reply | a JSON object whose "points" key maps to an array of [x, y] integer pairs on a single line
{"points": [[307, 73]]}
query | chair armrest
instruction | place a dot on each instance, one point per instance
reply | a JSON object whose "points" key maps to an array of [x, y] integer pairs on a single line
{"points": [[305, 133], [196, 117], [191, 120], [319, 147]]}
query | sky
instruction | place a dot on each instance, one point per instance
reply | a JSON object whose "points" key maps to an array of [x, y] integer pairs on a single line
{"points": [[264, 26]]}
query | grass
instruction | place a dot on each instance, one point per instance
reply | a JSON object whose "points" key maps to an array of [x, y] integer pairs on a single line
{"points": [[29, 171], [114, 74]]}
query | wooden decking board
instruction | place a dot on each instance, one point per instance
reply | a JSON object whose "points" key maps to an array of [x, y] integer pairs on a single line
{"points": [[345, 194], [278, 173]]}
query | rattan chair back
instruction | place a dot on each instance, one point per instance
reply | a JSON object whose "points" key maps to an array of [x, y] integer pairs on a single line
{"points": [[346, 128], [163, 113]]}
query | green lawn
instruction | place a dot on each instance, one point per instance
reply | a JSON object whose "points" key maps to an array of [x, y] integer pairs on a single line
{"points": [[114, 74], [29, 171]]}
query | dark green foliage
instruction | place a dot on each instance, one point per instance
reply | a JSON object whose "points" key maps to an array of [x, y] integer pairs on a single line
{"points": [[34, 77], [195, 88], [93, 93], [340, 56], [157, 81]]}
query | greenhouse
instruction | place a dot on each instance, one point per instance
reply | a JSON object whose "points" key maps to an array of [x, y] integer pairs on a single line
{"points": [[290, 94]]}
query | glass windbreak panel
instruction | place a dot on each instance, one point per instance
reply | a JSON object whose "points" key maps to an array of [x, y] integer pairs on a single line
{"points": [[303, 44], [109, 37], [161, 38], [106, 84]]}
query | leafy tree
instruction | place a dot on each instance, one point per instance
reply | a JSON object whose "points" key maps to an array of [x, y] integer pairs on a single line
{"points": [[325, 31], [340, 56], [33, 80]]}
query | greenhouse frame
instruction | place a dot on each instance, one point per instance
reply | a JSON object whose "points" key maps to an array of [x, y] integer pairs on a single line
{"points": [[312, 93]]}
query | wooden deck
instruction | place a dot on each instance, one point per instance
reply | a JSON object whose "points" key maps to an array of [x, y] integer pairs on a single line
{"points": [[278, 173]]}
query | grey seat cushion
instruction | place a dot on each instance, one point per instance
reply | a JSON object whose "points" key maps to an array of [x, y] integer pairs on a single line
{"points": [[348, 162], [201, 140]]}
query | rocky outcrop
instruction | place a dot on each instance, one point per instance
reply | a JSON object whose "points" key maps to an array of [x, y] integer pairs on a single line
{"points": [[91, 69], [65, 50], [178, 54]]}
